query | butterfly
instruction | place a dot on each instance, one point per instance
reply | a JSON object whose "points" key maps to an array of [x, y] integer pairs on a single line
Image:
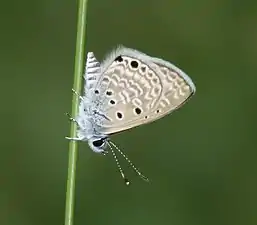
{"points": [[126, 90]]}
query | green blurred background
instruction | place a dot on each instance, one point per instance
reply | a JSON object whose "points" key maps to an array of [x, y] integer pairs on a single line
{"points": [[201, 160]]}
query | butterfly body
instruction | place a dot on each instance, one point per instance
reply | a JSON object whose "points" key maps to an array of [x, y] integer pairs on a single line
{"points": [[127, 89], [88, 129]]}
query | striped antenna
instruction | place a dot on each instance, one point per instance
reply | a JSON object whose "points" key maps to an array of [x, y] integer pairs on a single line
{"points": [[110, 144]]}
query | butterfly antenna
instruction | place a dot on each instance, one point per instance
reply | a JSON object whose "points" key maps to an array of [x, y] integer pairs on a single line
{"points": [[130, 163], [118, 164]]}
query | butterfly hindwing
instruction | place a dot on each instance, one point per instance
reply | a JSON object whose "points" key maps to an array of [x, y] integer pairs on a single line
{"points": [[92, 72], [177, 88]]}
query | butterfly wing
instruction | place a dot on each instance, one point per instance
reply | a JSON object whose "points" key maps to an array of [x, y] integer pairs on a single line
{"points": [[177, 88], [92, 72], [138, 89]]}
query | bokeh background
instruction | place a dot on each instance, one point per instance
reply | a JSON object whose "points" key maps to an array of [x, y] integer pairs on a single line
{"points": [[201, 160]]}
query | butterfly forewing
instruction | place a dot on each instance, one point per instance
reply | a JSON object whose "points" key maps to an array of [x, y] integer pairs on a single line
{"points": [[138, 89]]}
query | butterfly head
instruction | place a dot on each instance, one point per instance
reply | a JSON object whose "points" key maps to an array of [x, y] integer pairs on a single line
{"points": [[98, 143]]}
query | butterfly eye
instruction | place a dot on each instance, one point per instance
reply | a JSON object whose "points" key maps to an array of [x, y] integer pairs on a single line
{"points": [[98, 143], [96, 92]]}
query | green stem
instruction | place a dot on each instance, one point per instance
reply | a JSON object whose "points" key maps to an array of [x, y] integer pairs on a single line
{"points": [[78, 71]]}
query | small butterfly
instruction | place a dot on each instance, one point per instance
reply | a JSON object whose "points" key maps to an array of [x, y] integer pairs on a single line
{"points": [[126, 90]]}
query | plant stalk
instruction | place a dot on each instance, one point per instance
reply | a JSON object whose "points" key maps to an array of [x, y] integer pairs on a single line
{"points": [[73, 149]]}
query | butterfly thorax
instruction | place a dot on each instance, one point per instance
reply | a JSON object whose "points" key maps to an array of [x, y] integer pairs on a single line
{"points": [[88, 120]]}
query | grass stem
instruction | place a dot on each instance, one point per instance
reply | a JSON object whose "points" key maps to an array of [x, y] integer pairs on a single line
{"points": [[78, 71]]}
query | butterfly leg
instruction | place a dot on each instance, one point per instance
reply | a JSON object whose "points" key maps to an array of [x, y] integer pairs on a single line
{"points": [[71, 118], [76, 93], [74, 138], [75, 121]]}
